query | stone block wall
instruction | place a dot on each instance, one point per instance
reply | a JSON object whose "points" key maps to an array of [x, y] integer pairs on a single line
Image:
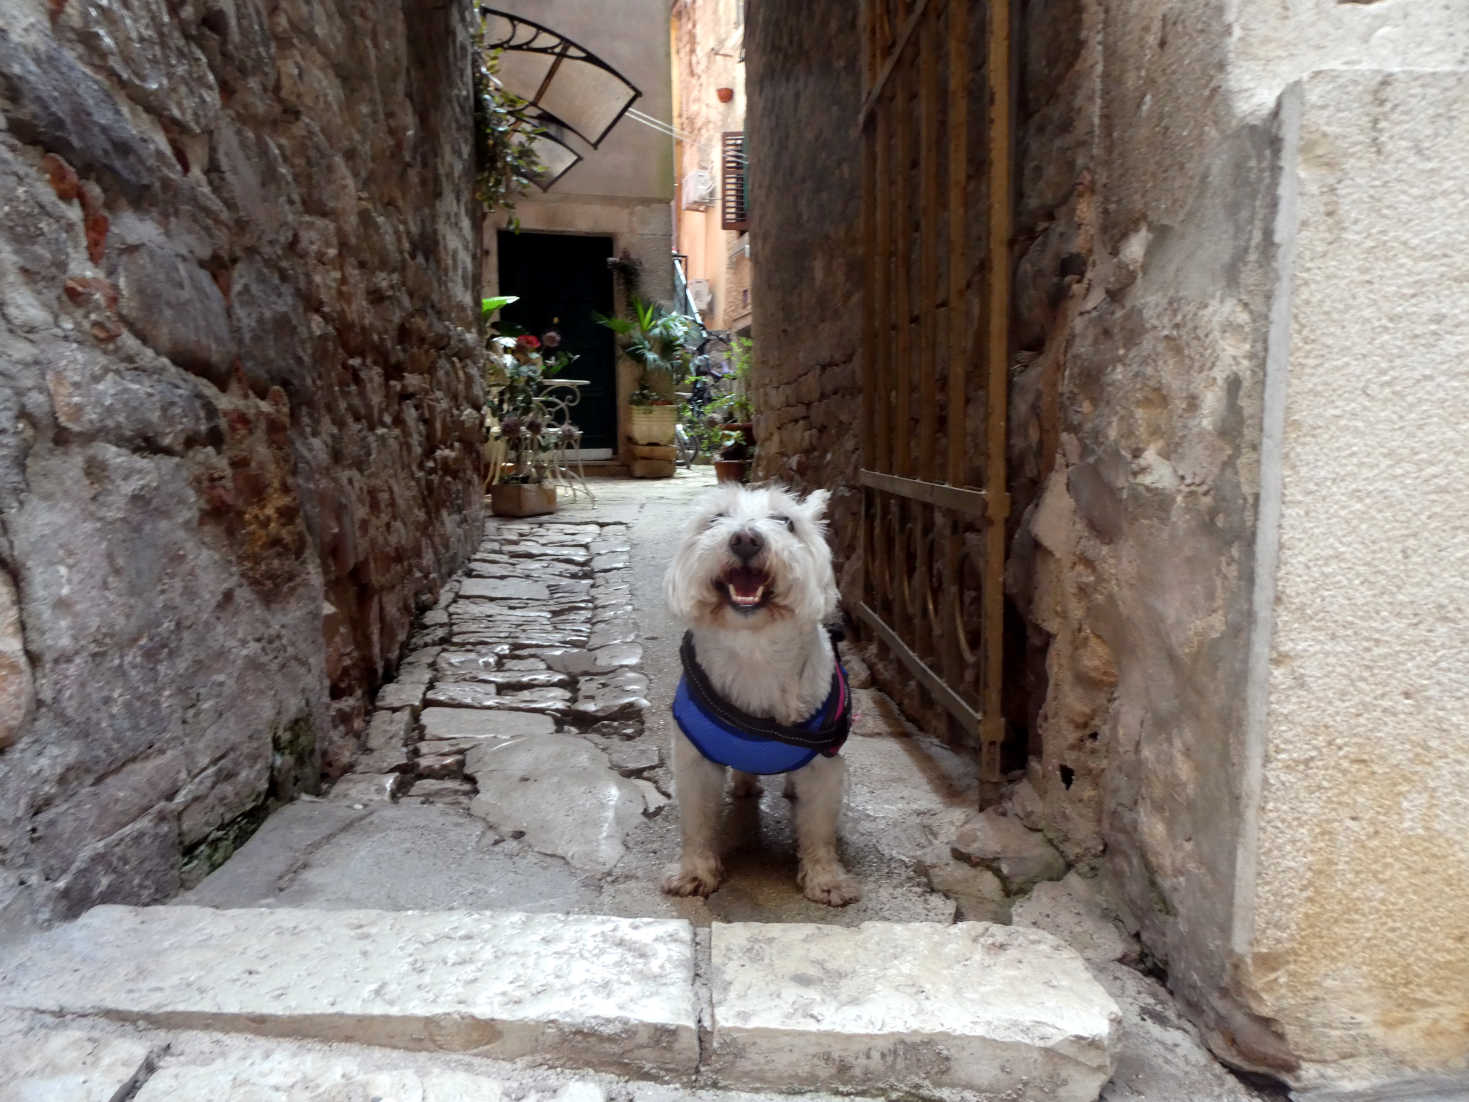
{"points": [[803, 79], [1168, 696], [239, 429]]}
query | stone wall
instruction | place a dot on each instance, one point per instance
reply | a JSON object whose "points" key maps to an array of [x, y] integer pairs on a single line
{"points": [[1159, 156], [240, 439], [1184, 722], [806, 255]]}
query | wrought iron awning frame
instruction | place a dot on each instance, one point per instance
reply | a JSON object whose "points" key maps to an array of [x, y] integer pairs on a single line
{"points": [[543, 122], [560, 49]]}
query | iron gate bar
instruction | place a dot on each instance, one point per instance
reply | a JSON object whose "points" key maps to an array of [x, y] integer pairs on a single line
{"points": [[1000, 74], [974, 503], [936, 685], [916, 505], [879, 85]]}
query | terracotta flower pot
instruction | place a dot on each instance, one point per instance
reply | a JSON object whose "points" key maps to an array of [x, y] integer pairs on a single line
{"points": [[522, 499], [724, 94], [731, 470]]}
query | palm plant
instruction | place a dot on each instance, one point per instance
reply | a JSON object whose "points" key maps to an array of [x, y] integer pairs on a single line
{"points": [[657, 340]]}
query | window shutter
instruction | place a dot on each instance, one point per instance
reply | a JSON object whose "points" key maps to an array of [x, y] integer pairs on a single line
{"points": [[733, 208]]}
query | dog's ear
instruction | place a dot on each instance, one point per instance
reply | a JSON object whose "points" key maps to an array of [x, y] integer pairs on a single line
{"points": [[815, 504]]}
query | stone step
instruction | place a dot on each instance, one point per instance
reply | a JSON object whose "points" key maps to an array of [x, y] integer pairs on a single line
{"points": [[906, 1007], [589, 991], [921, 1010]]}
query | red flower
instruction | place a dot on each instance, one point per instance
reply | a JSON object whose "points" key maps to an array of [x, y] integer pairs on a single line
{"points": [[528, 341]]}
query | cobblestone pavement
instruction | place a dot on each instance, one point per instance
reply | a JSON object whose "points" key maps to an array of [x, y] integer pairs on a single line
{"points": [[518, 758], [517, 762]]}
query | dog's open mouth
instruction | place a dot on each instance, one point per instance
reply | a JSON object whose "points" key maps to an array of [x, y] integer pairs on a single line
{"points": [[745, 588]]}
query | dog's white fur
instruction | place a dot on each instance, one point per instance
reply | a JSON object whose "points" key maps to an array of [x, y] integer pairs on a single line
{"points": [[775, 661]]}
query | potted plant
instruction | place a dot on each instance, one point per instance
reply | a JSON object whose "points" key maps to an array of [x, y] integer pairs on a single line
{"points": [[657, 340], [736, 454], [519, 434], [736, 407]]}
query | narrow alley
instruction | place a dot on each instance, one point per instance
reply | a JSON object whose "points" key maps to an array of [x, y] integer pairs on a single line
{"points": [[362, 366], [517, 765], [519, 758]]}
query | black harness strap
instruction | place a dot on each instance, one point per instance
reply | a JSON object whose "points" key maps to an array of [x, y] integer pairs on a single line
{"points": [[827, 738]]}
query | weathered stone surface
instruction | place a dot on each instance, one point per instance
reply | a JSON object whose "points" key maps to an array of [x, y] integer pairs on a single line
{"points": [[167, 255], [401, 694], [979, 894], [1002, 844], [467, 665], [523, 664], [1070, 910], [612, 696], [388, 730], [366, 788], [588, 991], [1004, 1013], [611, 632], [175, 307], [448, 791], [60, 106], [392, 759], [17, 692], [469, 723], [561, 793], [510, 679], [518, 587], [568, 660], [461, 694], [1159, 1054], [69, 1065], [288, 1074], [441, 766]]}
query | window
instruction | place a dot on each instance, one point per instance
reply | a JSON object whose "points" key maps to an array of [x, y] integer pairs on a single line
{"points": [[734, 211]]}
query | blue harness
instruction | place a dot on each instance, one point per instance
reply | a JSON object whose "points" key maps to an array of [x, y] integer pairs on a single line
{"points": [[727, 736]]}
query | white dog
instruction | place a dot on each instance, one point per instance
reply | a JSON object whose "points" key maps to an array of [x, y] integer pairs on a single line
{"points": [[762, 690]]}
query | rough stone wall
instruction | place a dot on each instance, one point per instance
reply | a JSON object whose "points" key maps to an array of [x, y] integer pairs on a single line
{"points": [[1153, 265], [1141, 312], [1352, 917], [239, 394], [1151, 258], [806, 255]]}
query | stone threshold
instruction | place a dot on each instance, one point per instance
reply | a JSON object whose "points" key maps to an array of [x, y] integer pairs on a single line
{"points": [[919, 1009]]}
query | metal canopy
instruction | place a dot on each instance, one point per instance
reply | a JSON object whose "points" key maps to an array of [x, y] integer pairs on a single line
{"points": [[557, 157], [571, 87]]}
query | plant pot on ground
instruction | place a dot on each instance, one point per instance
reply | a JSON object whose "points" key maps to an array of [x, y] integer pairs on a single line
{"points": [[735, 458], [522, 499], [658, 341]]}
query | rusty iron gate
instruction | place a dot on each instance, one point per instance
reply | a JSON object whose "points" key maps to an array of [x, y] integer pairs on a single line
{"points": [[936, 219]]}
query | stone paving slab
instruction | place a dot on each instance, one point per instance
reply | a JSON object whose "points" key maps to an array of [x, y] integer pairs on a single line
{"points": [[1007, 1014], [593, 992], [71, 1065], [459, 723], [328, 1077]]}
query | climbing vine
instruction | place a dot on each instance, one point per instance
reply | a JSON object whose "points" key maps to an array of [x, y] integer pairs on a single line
{"points": [[505, 163]]}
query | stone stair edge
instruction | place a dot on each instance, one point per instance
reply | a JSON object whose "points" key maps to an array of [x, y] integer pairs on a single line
{"points": [[650, 1033]]}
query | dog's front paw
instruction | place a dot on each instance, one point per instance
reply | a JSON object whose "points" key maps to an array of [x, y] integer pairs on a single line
{"points": [[695, 876], [829, 884]]}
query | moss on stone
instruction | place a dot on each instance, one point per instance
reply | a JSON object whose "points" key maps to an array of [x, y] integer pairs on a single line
{"points": [[215, 848]]}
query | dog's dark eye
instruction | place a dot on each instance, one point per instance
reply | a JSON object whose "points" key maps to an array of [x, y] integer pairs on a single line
{"points": [[787, 521], [715, 519]]}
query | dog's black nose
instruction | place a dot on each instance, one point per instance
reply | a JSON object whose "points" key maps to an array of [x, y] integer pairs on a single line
{"points": [[746, 544]]}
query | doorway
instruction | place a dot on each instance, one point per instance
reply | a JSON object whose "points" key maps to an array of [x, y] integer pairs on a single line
{"points": [[563, 282]]}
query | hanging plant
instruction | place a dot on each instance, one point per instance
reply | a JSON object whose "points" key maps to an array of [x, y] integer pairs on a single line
{"points": [[505, 162]]}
